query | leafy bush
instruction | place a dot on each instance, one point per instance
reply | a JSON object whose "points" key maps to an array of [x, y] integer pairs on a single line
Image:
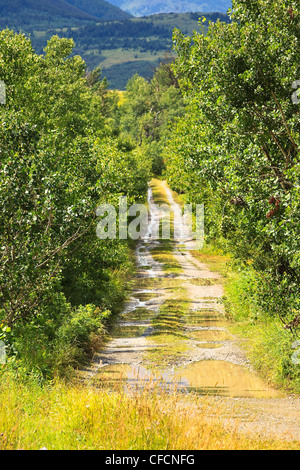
{"points": [[59, 161], [237, 148]]}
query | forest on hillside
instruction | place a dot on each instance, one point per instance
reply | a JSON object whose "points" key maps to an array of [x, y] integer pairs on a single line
{"points": [[122, 45], [220, 123]]}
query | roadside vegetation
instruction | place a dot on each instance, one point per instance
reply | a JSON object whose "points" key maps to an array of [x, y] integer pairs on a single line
{"points": [[59, 283], [61, 417], [237, 151], [220, 126], [69, 144]]}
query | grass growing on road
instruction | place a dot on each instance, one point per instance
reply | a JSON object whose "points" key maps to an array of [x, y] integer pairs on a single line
{"points": [[169, 330], [163, 254]]}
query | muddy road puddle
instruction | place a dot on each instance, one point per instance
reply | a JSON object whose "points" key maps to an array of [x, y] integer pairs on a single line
{"points": [[223, 378], [206, 378]]}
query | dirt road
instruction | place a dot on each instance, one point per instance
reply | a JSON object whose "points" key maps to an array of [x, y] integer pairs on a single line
{"points": [[173, 329]]}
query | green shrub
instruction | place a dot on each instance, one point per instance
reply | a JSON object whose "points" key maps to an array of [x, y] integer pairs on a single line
{"points": [[79, 336]]}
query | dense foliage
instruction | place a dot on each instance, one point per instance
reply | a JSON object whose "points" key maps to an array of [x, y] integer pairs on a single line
{"points": [[222, 122], [149, 109], [58, 161], [237, 147]]}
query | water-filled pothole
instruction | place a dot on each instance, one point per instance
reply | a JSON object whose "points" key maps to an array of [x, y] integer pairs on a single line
{"points": [[210, 335], [224, 379], [128, 331], [216, 378]]}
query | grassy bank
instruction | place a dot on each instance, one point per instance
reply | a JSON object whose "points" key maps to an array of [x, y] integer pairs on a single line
{"points": [[267, 342], [65, 417]]}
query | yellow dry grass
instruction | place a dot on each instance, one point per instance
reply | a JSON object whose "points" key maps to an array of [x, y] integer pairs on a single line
{"points": [[69, 417]]}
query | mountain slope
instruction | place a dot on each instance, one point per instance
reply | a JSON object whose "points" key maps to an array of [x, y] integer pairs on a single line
{"points": [[100, 8], [142, 8], [52, 7]]}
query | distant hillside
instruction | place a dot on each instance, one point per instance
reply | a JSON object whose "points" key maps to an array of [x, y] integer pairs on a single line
{"points": [[53, 7], [101, 9], [124, 48], [104, 35], [152, 7], [32, 15]]}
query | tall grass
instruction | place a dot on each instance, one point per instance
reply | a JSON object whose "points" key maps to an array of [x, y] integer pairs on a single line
{"points": [[267, 343]]}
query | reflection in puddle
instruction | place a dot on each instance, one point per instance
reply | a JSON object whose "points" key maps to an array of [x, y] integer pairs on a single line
{"points": [[208, 323], [129, 331], [203, 315], [210, 335], [139, 378], [136, 303], [112, 376], [143, 296], [139, 314], [225, 379], [217, 378]]}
